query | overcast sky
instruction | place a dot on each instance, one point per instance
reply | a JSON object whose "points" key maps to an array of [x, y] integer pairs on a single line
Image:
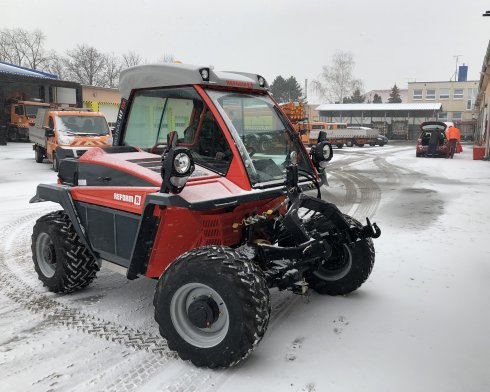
{"points": [[392, 41]]}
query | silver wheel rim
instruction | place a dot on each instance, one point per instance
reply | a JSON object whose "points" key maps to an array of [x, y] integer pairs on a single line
{"points": [[45, 255], [198, 337], [339, 273]]}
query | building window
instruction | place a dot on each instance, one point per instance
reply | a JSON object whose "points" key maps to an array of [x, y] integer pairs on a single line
{"points": [[442, 116], [430, 94], [417, 94], [443, 93], [470, 102], [456, 116], [458, 93]]}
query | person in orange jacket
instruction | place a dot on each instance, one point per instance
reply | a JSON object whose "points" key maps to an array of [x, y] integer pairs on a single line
{"points": [[454, 136]]}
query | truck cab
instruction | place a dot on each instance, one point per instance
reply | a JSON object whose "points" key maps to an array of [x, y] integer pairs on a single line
{"points": [[22, 115], [68, 133]]}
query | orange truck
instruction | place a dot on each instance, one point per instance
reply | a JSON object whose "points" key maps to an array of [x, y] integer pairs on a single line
{"points": [[67, 133], [20, 116]]}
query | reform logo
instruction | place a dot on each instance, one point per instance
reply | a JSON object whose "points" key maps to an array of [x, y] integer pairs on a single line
{"points": [[136, 199]]}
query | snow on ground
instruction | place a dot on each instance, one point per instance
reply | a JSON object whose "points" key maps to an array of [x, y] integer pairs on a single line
{"points": [[420, 323]]}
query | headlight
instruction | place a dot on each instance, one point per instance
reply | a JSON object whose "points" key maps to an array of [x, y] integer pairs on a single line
{"points": [[64, 139], [326, 152], [182, 163], [293, 157]]}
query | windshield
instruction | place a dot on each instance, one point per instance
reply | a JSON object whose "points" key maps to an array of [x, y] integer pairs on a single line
{"points": [[31, 110], [263, 138], [82, 125]]}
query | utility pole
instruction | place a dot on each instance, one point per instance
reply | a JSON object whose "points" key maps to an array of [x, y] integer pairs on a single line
{"points": [[456, 70]]}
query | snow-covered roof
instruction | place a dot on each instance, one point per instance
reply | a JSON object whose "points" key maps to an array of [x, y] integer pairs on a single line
{"points": [[7, 68], [163, 75], [381, 107]]}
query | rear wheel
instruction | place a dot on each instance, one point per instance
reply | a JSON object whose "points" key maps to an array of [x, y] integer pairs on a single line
{"points": [[347, 268], [265, 145], [212, 306], [340, 145], [349, 143], [372, 144], [360, 144], [13, 134], [60, 259], [56, 164], [39, 154]]}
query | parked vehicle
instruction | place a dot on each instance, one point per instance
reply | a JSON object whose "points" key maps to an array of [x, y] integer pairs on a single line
{"points": [[214, 225], [20, 116], [428, 128], [67, 133], [381, 140]]}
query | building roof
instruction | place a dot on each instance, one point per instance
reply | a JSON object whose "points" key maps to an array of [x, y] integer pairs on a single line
{"points": [[7, 68], [379, 107], [162, 75]]}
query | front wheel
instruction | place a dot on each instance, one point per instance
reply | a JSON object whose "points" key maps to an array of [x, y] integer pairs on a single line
{"points": [[39, 154], [212, 306], [349, 265]]}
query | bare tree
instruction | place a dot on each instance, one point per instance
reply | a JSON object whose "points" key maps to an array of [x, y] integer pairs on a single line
{"points": [[56, 64], [24, 48], [166, 58], [31, 44], [131, 59], [112, 69], [337, 81], [86, 65]]}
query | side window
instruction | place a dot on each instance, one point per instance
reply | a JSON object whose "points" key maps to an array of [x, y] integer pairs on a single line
{"points": [[156, 113]]}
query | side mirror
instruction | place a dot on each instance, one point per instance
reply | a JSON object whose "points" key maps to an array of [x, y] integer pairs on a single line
{"points": [[48, 132], [321, 154]]}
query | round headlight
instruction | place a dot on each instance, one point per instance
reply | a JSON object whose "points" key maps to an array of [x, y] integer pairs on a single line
{"points": [[182, 163], [326, 152], [261, 81], [293, 157], [204, 74]]}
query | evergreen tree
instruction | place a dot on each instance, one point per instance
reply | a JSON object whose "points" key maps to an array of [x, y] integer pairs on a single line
{"points": [[285, 90], [394, 95], [377, 98], [357, 97]]}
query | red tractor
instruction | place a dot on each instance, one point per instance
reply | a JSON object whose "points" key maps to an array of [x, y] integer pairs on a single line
{"points": [[180, 197]]}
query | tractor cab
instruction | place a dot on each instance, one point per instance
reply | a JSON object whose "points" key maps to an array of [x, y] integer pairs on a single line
{"points": [[227, 121]]}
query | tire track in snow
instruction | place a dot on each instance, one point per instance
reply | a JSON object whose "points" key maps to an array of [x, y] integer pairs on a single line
{"points": [[57, 314]]}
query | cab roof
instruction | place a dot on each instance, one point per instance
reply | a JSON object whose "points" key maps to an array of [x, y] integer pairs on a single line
{"points": [[166, 75]]}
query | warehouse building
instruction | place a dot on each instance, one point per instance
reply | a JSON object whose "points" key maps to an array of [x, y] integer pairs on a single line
{"points": [[395, 120], [481, 110]]}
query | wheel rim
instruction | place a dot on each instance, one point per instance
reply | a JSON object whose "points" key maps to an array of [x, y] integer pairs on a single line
{"points": [[182, 300], [336, 269], [45, 255]]}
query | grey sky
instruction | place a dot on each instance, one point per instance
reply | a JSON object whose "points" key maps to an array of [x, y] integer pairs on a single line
{"points": [[392, 41]]}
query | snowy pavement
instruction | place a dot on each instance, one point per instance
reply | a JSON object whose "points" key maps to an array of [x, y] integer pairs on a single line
{"points": [[420, 322]]}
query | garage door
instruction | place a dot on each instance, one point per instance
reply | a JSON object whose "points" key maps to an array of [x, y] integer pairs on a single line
{"points": [[110, 111]]}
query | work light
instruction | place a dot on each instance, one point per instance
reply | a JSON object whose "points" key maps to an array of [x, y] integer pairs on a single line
{"points": [[177, 167], [204, 74]]}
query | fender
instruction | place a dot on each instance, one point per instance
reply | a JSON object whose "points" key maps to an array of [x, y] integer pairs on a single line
{"points": [[61, 194]]}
